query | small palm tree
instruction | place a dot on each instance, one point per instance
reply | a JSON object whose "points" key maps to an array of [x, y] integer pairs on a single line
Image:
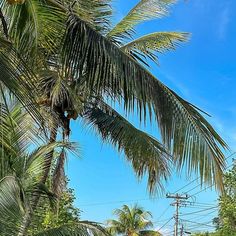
{"points": [[132, 221], [20, 174]]}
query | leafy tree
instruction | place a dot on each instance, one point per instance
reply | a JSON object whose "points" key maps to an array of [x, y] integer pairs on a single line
{"points": [[134, 221], [72, 62], [226, 220], [62, 212], [227, 204]]}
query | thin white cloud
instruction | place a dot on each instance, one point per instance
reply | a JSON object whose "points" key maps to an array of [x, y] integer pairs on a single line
{"points": [[224, 22]]}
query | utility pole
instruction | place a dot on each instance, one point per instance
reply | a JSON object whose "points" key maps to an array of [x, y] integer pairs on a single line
{"points": [[182, 231], [179, 201]]}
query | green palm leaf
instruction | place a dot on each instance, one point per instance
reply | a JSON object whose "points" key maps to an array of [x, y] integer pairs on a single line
{"points": [[92, 60], [11, 205], [148, 45], [144, 10], [95, 12], [146, 154], [18, 78], [83, 228], [33, 25]]}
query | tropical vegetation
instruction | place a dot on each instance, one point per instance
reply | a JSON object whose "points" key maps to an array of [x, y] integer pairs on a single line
{"points": [[226, 220], [63, 61], [132, 221]]}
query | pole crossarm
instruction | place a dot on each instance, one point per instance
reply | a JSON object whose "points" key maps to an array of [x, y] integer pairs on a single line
{"points": [[180, 201]]}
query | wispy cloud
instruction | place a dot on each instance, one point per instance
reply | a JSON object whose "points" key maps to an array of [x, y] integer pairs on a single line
{"points": [[224, 22]]}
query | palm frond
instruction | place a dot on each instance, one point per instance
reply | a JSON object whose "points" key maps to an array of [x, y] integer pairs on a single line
{"points": [[34, 166], [4, 24], [17, 131], [143, 11], [97, 13], [145, 153], [18, 78], [92, 60], [149, 45], [11, 205], [83, 228], [32, 25]]}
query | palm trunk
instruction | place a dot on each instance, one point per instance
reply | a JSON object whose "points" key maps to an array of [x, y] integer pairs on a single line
{"points": [[36, 195]]}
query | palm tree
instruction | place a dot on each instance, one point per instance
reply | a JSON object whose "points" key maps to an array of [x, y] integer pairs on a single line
{"points": [[20, 172], [80, 67], [134, 221]]}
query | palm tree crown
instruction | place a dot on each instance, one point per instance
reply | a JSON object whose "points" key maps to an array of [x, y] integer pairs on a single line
{"points": [[65, 61], [132, 221], [78, 63]]}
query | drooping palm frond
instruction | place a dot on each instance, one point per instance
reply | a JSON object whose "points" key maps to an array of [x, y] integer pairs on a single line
{"points": [[82, 228], [144, 10], [145, 153], [149, 45], [89, 58]]}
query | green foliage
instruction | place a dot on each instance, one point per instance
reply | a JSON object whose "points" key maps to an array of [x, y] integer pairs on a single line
{"points": [[76, 58], [63, 212], [21, 168], [227, 213], [63, 61], [226, 220], [132, 221]]}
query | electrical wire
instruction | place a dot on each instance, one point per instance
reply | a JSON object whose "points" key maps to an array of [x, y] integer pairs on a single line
{"points": [[190, 213], [165, 224]]}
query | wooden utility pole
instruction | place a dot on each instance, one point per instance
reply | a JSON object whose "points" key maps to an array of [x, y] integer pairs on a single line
{"points": [[179, 201]]}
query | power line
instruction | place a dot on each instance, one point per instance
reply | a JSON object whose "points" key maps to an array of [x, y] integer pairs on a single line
{"points": [[163, 213], [190, 213], [199, 177], [186, 185], [147, 199], [203, 216], [165, 224], [204, 224]]}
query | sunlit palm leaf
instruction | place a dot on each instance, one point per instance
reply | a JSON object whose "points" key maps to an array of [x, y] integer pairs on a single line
{"points": [[91, 59], [146, 154], [148, 45], [18, 78], [95, 12], [11, 205], [33, 25], [144, 10]]}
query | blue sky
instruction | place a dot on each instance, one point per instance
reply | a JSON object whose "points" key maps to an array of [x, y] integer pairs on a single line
{"points": [[202, 71]]}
